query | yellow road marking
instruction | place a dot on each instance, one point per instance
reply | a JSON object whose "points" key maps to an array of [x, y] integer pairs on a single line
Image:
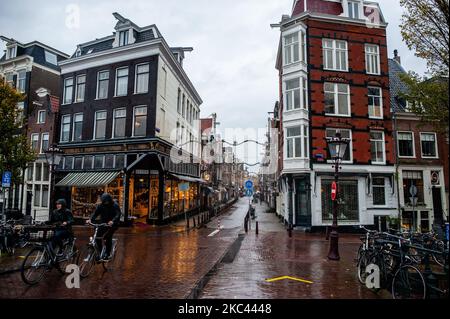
{"points": [[289, 278]]}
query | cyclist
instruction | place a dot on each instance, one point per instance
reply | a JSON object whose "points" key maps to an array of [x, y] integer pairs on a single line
{"points": [[109, 213], [62, 218]]}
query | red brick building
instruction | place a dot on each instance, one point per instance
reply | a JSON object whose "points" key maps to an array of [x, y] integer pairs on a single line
{"points": [[334, 77], [422, 158]]}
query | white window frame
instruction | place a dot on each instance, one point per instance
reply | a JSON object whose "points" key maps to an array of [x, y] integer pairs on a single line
{"points": [[42, 142], [385, 192], [302, 81], [95, 124], [371, 107], [336, 99], [39, 117], [435, 145], [354, 4], [335, 51], [73, 125], [114, 121], [136, 78], [413, 144], [125, 40], [117, 82], [11, 52], [76, 88], [98, 85], [33, 135], [64, 90], [383, 143], [350, 144], [62, 127], [134, 117], [369, 56], [291, 47], [21, 80], [304, 136]]}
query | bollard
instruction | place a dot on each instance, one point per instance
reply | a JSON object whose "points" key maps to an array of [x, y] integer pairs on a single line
{"points": [[187, 226], [246, 225], [194, 221], [198, 218], [327, 233], [257, 229], [290, 230]]}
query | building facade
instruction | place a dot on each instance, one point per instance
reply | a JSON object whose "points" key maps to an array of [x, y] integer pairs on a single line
{"points": [[422, 158], [128, 121], [32, 68], [334, 77]]}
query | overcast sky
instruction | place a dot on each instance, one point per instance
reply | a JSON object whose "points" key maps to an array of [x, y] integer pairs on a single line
{"points": [[233, 62]]}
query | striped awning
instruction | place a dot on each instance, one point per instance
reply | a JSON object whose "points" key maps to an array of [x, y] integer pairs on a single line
{"points": [[88, 179]]}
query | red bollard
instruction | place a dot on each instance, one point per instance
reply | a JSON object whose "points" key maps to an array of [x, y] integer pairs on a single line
{"points": [[257, 229]]}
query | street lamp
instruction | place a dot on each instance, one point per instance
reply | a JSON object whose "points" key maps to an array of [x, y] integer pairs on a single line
{"points": [[53, 155], [337, 147]]}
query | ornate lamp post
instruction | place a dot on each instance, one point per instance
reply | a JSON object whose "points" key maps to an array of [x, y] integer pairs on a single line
{"points": [[337, 147], [53, 156]]}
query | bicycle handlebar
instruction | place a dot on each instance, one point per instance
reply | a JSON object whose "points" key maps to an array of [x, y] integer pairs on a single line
{"points": [[99, 225]]}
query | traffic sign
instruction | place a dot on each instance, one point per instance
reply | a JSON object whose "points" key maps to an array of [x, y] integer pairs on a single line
{"points": [[249, 184], [413, 201], [6, 179], [434, 178], [333, 191], [249, 193]]}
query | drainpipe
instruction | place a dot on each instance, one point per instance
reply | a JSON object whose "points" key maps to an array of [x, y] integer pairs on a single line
{"points": [[397, 163]]}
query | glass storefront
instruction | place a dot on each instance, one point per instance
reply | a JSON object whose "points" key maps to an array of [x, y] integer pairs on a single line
{"points": [[84, 200], [348, 209], [177, 202]]}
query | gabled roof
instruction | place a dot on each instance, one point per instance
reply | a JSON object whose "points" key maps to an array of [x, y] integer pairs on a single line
{"points": [[397, 86]]}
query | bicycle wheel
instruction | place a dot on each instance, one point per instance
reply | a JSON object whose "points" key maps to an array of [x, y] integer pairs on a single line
{"points": [[408, 283], [439, 258], [70, 257], [34, 266], [86, 261], [361, 267], [109, 265]]}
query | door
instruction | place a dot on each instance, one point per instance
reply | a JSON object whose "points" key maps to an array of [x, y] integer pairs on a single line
{"points": [[437, 206], [302, 211]]}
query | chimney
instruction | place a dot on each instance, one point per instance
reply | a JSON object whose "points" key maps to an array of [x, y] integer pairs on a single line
{"points": [[397, 57]]}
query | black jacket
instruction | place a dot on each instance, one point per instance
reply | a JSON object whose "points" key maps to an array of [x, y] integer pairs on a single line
{"points": [[107, 210], [60, 216]]}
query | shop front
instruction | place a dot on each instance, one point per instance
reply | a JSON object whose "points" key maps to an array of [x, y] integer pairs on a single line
{"points": [[146, 191]]}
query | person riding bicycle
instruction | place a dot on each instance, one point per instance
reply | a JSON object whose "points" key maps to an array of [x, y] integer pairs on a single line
{"points": [[62, 218], [109, 213]]}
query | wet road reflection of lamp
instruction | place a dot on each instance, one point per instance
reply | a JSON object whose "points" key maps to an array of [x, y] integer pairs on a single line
{"points": [[53, 155], [337, 146]]}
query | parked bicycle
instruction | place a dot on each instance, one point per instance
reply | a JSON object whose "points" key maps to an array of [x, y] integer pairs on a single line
{"points": [[11, 237], [91, 255], [43, 257], [403, 260]]}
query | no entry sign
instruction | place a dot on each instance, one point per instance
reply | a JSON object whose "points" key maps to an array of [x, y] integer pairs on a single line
{"points": [[333, 191]]}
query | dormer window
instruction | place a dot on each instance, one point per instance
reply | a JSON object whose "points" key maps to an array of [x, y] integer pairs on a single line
{"points": [[353, 9], [11, 52], [123, 38], [51, 58]]}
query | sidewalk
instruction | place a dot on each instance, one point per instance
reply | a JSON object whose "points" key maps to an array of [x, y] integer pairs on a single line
{"points": [[273, 254]]}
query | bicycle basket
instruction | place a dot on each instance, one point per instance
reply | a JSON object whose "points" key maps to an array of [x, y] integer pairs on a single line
{"points": [[39, 233]]}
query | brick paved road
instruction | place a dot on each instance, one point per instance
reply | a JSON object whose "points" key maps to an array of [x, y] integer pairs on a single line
{"points": [[273, 254], [152, 263]]}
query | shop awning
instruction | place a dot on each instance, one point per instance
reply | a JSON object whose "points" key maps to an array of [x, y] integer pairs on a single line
{"points": [[188, 178], [88, 179]]}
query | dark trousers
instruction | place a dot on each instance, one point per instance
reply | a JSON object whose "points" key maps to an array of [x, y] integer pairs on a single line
{"points": [[107, 234], [59, 237]]}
